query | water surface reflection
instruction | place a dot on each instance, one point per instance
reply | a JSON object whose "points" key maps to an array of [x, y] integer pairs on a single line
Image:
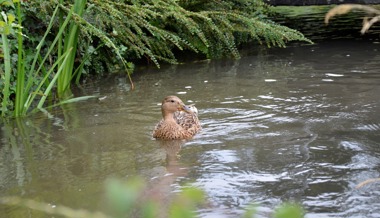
{"points": [[297, 124]]}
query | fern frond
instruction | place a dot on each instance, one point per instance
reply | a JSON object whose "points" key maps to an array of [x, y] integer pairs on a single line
{"points": [[155, 29]]}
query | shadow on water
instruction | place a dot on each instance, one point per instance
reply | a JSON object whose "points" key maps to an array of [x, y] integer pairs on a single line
{"points": [[296, 124]]}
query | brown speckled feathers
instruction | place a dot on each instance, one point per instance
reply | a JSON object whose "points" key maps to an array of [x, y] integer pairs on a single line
{"points": [[179, 121]]}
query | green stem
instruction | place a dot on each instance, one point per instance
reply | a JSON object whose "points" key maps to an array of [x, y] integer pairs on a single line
{"points": [[7, 76], [33, 73], [48, 89], [20, 100], [31, 97], [71, 42], [60, 20]]}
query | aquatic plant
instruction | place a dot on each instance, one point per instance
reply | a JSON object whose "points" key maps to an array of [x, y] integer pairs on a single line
{"points": [[127, 199], [158, 29], [373, 14], [32, 84], [70, 42], [33, 81], [103, 36]]}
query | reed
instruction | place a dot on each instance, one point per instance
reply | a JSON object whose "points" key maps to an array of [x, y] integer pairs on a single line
{"points": [[70, 42], [7, 64], [38, 82], [20, 64], [30, 92]]}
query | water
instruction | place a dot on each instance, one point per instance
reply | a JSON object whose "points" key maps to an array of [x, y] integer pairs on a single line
{"points": [[296, 124]]}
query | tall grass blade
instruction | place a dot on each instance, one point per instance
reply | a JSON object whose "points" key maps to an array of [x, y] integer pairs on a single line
{"points": [[71, 41], [32, 74], [7, 74], [72, 100], [46, 93], [52, 82], [20, 97], [60, 43]]}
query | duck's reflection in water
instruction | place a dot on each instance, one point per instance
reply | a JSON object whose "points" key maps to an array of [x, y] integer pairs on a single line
{"points": [[162, 187], [172, 149], [174, 168]]}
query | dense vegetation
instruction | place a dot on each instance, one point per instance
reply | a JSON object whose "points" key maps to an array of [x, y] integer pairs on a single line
{"points": [[46, 45]]}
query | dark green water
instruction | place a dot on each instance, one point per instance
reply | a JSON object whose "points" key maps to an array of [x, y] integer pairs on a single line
{"points": [[296, 124]]}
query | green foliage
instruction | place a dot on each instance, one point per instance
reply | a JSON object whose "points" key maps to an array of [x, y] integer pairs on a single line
{"points": [[70, 42], [250, 211], [126, 199], [7, 28], [289, 210], [123, 196], [235, 22], [158, 29], [21, 81], [104, 35], [6, 76], [185, 204], [155, 29], [32, 78]]}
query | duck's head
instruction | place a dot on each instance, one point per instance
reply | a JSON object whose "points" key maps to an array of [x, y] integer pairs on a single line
{"points": [[172, 104]]}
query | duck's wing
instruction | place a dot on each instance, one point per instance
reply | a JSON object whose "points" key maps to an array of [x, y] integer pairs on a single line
{"points": [[158, 125], [188, 121]]}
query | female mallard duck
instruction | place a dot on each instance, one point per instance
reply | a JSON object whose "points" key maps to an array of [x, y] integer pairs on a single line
{"points": [[179, 121]]}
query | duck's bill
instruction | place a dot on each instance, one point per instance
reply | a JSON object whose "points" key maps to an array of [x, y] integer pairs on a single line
{"points": [[185, 108]]}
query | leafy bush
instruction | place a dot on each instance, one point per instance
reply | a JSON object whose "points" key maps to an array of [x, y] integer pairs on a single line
{"points": [[155, 29], [103, 36]]}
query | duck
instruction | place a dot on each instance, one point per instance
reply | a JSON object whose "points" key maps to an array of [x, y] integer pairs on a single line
{"points": [[179, 120]]}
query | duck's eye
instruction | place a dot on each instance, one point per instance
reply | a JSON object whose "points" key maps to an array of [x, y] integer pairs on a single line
{"points": [[172, 101]]}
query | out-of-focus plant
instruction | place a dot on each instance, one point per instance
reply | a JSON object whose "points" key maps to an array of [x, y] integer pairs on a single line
{"points": [[124, 199], [289, 210], [130, 199]]}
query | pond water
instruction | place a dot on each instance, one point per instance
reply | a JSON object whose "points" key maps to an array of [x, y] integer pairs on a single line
{"points": [[297, 124]]}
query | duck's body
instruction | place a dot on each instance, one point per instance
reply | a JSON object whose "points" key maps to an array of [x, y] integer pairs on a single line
{"points": [[189, 121], [179, 121]]}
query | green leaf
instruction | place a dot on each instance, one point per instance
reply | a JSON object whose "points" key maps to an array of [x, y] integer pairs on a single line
{"points": [[122, 196], [6, 2], [250, 211], [7, 29], [289, 210], [184, 204], [11, 18]]}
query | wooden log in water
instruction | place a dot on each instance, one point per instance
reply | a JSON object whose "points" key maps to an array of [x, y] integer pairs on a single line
{"points": [[320, 2]]}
